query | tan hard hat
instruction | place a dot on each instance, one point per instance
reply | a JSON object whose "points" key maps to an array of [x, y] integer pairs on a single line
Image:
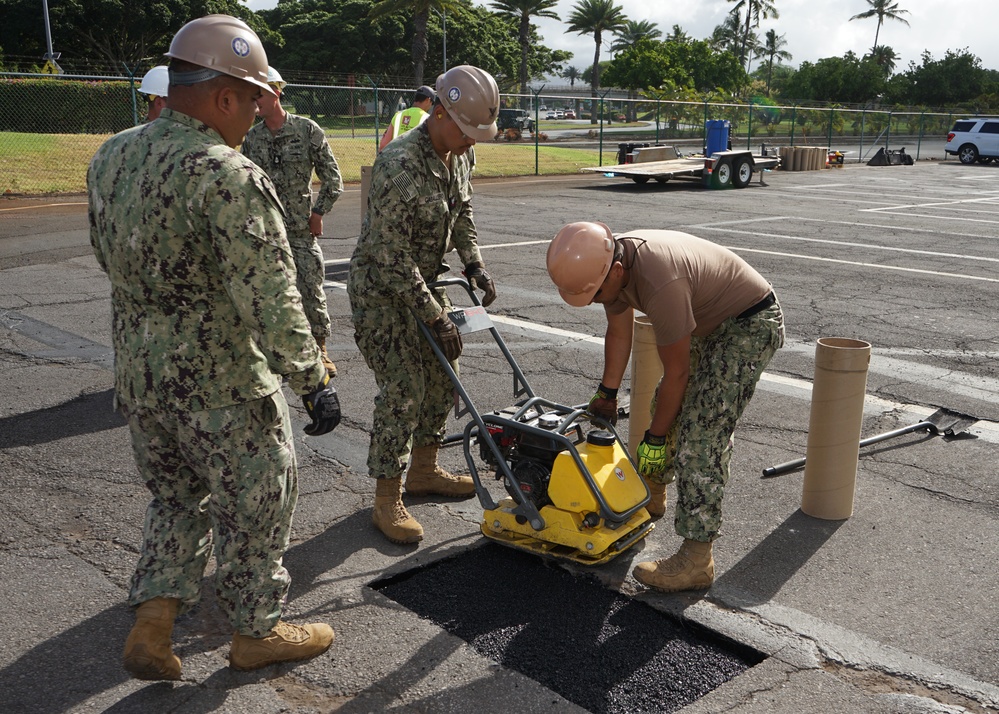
{"points": [[471, 97], [225, 44], [579, 258]]}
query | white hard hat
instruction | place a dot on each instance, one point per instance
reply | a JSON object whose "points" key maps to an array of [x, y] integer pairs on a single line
{"points": [[274, 77], [156, 81]]}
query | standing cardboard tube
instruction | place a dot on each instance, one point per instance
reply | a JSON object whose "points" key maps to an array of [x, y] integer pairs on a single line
{"points": [[646, 371], [834, 427]]}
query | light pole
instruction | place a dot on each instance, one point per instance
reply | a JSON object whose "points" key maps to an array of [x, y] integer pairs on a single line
{"points": [[443, 14], [50, 56]]}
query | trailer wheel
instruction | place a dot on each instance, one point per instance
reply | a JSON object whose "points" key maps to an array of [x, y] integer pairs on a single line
{"points": [[743, 173], [640, 180], [723, 173], [662, 179]]}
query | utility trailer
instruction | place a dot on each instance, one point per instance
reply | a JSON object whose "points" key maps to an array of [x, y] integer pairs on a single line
{"points": [[723, 169]]}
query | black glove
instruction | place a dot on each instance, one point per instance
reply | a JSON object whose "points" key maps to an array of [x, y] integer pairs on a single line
{"points": [[603, 404], [479, 278], [323, 407], [446, 336]]}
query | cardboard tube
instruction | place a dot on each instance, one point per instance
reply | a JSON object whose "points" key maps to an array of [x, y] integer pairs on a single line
{"points": [[834, 427], [365, 189], [646, 370]]}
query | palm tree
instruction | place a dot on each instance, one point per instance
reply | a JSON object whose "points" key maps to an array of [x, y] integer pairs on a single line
{"points": [[594, 17], [773, 48], [755, 10], [726, 36], [572, 74], [678, 35], [421, 14], [885, 57], [523, 11], [882, 9], [632, 32]]}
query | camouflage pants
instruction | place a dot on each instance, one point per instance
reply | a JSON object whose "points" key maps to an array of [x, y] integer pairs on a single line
{"points": [[231, 470], [311, 275], [414, 393], [725, 367]]}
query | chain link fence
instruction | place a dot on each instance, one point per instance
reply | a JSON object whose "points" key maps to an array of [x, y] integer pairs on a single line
{"points": [[50, 128]]}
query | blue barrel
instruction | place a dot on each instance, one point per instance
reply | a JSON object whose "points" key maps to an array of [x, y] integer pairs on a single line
{"points": [[716, 136]]}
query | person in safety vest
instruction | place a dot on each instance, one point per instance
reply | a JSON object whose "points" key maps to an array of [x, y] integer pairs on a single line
{"points": [[409, 118]]}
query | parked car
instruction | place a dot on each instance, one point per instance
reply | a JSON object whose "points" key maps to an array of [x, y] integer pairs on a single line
{"points": [[972, 140], [569, 114], [559, 114], [515, 119], [550, 114]]}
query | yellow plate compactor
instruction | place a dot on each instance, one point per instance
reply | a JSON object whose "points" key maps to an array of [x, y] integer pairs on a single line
{"points": [[574, 491]]}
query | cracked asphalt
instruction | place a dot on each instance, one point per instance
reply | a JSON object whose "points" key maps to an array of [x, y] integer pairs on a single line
{"points": [[891, 610]]}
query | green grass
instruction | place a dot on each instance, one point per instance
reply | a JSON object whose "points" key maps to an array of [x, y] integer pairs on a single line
{"points": [[35, 164], [45, 163]]}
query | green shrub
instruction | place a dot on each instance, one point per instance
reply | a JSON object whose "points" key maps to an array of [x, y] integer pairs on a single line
{"points": [[53, 106]]}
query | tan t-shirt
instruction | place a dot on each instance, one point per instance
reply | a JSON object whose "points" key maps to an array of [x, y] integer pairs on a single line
{"points": [[686, 285]]}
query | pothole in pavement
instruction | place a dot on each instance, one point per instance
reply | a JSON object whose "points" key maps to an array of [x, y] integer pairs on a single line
{"points": [[603, 651]]}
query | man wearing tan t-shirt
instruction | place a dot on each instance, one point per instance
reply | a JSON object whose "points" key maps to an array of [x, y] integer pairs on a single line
{"points": [[717, 324]]}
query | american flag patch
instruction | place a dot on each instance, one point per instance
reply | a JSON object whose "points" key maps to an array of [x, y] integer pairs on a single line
{"points": [[404, 184]]}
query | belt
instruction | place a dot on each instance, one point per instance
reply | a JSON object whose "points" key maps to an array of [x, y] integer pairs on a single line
{"points": [[762, 305]]}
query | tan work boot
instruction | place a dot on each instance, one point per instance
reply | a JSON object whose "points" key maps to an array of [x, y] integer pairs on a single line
{"points": [[285, 643], [390, 516], [426, 478], [148, 653], [692, 568], [327, 362], [657, 499]]}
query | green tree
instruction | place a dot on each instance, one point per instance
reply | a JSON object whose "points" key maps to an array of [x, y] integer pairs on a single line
{"points": [[726, 37], [572, 74], [847, 80], [420, 11], [885, 57], [632, 32], [111, 31], [594, 17], [956, 79], [522, 11], [677, 34], [883, 10], [674, 66], [755, 10], [773, 48]]}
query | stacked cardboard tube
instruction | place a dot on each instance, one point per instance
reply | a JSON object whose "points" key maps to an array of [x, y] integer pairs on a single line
{"points": [[803, 158]]}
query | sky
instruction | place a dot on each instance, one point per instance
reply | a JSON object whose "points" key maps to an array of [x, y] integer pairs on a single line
{"points": [[813, 29]]}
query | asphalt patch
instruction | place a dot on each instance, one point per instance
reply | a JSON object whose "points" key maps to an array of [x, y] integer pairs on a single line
{"points": [[606, 652]]}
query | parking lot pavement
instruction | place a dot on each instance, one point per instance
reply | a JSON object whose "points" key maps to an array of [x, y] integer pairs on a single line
{"points": [[891, 610]]}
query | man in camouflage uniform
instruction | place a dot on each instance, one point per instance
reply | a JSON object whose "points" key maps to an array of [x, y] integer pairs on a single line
{"points": [[717, 324], [206, 320], [289, 148], [419, 204]]}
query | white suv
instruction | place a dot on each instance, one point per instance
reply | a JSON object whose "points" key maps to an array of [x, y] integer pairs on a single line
{"points": [[974, 140]]}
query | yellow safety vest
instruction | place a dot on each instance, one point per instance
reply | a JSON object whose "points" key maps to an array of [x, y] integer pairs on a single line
{"points": [[407, 119]]}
